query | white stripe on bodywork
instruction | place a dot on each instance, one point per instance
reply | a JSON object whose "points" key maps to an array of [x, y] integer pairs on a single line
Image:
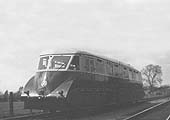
{"points": [[65, 86], [31, 95], [168, 118]]}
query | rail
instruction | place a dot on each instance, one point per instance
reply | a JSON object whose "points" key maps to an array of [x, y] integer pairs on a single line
{"points": [[24, 116], [142, 113]]}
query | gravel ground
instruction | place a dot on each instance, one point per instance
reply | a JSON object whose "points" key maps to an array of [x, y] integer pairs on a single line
{"points": [[114, 113], [18, 109], [122, 112]]}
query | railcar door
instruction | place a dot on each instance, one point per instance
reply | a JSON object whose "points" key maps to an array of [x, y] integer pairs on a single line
{"points": [[92, 68]]}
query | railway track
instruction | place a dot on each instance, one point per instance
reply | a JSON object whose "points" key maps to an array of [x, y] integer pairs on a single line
{"points": [[24, 116], [62, 115], [143, 113], [41, 116]]}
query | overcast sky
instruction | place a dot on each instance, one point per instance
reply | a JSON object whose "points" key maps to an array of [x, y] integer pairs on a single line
{"points": [[133, 31]]}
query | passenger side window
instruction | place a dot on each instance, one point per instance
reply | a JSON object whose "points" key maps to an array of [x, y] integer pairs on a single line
{"points": [[133, 75], [121, 71], [100, 66], [86, 64], [92, 67], [126, 75], [116, 69], [108, 68], [130, 74]]}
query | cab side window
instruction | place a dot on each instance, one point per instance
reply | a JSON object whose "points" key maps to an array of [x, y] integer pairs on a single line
{"points": [[74, 65]]}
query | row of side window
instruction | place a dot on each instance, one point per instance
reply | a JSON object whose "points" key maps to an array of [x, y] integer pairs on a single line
{"points": [[96, 65]]}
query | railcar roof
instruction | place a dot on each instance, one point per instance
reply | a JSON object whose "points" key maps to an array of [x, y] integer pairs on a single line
{"points": [[59, 52], [69, 52]]}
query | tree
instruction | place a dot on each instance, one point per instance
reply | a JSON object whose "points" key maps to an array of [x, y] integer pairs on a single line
{"points": [[152, 76]]}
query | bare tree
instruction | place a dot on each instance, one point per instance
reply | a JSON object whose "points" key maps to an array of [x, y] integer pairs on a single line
{"points": [[152, 76]]}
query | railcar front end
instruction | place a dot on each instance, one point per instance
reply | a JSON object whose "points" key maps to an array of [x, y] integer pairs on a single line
{"points": [[49, 87]]}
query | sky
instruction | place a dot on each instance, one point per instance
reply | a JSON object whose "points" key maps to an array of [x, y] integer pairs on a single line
{"points": [[136, 32]]}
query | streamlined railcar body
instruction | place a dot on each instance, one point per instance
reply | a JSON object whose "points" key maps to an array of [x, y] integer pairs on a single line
{"points": [[76, 80]]}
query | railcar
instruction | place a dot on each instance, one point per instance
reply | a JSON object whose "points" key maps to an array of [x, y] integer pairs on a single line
{"points": [[75, 80]]}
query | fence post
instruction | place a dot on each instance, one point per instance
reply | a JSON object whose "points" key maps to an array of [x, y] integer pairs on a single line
{"points": [[11, 106], [31, 111]]}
